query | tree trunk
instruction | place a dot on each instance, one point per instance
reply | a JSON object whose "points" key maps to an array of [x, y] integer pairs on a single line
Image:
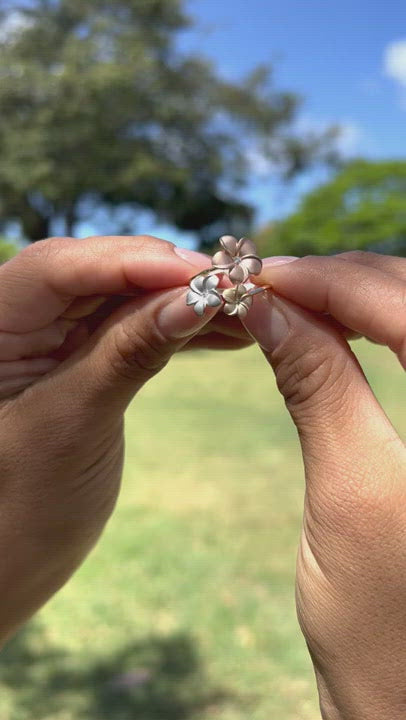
{"points": [[34, 224], [70, 221]]}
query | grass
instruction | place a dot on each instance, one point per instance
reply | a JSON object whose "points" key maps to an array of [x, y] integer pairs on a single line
{"points": [[185, 610]]}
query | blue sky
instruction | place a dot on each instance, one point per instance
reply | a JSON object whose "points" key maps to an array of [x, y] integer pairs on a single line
{"points": [[332, 53], [346, 59]]}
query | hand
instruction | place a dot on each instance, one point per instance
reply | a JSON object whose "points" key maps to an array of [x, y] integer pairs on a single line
{"points": [[30, 350], [61, 445], [221, 332], [351, 565]]}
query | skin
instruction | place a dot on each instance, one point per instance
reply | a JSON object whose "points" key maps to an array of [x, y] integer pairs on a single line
{"points": [[79, 336], [351, 563], [91, 309]]}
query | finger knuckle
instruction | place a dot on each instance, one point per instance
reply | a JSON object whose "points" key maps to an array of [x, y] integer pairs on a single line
{"points": [[148, 240], [33, 260], [46, 249], [354, 255], [139, 353], [366, 499], [311, 378], [150, 244]]}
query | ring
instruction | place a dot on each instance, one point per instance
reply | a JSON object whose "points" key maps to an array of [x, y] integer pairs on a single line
{"points": [[237, 260]]}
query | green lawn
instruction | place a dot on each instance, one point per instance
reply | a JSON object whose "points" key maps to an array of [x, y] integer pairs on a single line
{"points": [[185, 611]]}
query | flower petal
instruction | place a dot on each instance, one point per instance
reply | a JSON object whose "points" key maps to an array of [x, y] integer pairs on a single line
{"points": [[229, 243], [214, 299], [192, 297], [230, 309], [252, 264], [222, 259], [197, 284], [211, 282], [229, 295], [237, 274], [200, 307], [240, 290], [246, 247], [242, 311], [247, 302]]}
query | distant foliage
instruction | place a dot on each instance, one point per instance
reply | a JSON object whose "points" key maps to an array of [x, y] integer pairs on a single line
{"points": [[100, 110], [7, 250], [363, 207]]}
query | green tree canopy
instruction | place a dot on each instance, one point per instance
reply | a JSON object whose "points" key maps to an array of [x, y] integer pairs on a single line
{"points": [[7, 250], [363, 207], [99, 108]]}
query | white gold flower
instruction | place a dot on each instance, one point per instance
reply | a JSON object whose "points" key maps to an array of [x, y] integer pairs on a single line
{"points": [[202, 293], [235, 302], [238, 258]]}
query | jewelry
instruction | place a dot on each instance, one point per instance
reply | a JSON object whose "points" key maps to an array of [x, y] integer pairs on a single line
{"points": [[237, 261]]}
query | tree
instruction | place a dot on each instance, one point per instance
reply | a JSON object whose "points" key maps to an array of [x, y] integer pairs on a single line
{"points": [[100, 109], [7, 250], [363, 207]]}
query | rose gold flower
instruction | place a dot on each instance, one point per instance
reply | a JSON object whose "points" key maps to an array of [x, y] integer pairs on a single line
{"points": [[238, 258], [235, 302]]}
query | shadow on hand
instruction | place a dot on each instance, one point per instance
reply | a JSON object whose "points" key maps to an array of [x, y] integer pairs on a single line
{"points": [[155, 678]]}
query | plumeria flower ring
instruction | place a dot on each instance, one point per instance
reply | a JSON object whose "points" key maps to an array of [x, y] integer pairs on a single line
{"points": [[238, 258], [237, 261], [237, 301], [203, 293]]}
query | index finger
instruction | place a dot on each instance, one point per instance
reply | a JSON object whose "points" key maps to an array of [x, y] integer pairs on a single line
{"points": [[363, 298], [39, 283], [389, 264]]}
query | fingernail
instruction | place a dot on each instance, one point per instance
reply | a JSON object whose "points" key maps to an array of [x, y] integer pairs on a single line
{"points": [[279, 260], [266, 322], [178, 320], [192, 257]]}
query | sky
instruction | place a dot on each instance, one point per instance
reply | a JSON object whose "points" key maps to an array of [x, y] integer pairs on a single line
{"points": [[346, 58], [338, 55]]}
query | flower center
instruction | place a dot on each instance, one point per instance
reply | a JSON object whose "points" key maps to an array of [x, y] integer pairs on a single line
{"points": [[206, 293]]}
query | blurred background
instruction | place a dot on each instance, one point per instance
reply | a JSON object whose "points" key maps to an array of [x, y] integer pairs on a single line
{"points": [[187, 119]]}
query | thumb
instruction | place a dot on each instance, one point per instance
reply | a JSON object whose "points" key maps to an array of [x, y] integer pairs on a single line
{"points": [[337, 416], [134, 344]]}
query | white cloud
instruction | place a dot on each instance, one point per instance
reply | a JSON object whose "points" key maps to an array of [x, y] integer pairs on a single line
{"points": [[395, 61], [348, 140], [347, 144], [14, 23], [258, 163]]}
